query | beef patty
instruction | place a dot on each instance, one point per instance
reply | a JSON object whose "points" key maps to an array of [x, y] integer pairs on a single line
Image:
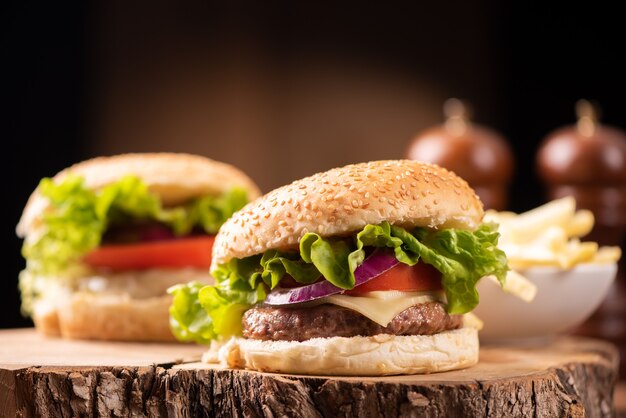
{"points": [[300, 324]]}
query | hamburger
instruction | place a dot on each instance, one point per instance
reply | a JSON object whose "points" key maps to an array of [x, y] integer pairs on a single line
{"points": [[366, 269], [105, 238]]}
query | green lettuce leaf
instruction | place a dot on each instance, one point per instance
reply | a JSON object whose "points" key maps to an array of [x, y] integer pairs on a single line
{"points": [[203, 313], [78, 217], [226, 306], [189, 321], [462, 257]]}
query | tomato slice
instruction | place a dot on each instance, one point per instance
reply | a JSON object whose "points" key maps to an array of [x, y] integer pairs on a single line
{"points": [[183, 252], [420, 277]]}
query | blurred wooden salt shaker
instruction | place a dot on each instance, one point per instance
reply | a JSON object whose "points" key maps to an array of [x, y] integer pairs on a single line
{"points": [[588, 161], [476, 153]]}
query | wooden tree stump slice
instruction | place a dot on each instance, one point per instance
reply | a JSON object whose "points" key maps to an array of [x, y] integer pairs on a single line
{"points": [[570, 377]]}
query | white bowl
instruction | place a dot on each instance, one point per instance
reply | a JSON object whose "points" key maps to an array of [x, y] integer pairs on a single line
{"points": [[565, 298]]}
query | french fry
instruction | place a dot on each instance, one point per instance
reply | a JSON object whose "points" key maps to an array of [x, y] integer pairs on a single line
{"points": [[553, 239], [518, 285], [577, 253], [529, 225], [549, 235], [580, 225], [607, 255]]}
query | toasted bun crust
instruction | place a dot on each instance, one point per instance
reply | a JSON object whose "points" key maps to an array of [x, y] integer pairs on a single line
{"points": [[175, 178], [343, 200], [111, 317], [46, 320], [357, 356], [119, 306]]}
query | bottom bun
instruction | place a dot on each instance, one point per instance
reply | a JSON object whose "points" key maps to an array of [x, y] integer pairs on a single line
{"points": [[46, 319], [364, 356], [106, 317], [115, 306]]}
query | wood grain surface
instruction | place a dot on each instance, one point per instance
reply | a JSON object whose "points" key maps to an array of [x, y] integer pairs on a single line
{"points": [[51, 377]]}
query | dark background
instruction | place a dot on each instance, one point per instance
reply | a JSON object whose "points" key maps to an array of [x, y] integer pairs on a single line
{"points": [[74, 76]]}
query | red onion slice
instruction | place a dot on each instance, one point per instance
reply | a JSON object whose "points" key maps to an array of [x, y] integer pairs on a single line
{"points": [[376, 264], [155, 233]]}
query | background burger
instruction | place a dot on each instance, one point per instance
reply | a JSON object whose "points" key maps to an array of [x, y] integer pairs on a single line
{"points": [[105, 238], [360, 270]]}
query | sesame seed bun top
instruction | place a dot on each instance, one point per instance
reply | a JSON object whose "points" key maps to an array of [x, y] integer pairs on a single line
{"points": [[343, 200], [175, 178]]}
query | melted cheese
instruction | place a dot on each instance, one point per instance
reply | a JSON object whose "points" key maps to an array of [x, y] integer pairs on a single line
{"points": [[382, 307], [472, 321]]}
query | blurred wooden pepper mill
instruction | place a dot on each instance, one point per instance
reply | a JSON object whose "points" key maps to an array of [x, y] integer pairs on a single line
{"points": [[588, 161], [476, 153]]}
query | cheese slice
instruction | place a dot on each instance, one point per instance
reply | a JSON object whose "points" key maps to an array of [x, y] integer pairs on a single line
{"points": [[472, 321], [381, 307]]}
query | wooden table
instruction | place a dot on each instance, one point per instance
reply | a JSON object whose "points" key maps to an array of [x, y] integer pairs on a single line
{"points": [[620, 398], [571, 376]]}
